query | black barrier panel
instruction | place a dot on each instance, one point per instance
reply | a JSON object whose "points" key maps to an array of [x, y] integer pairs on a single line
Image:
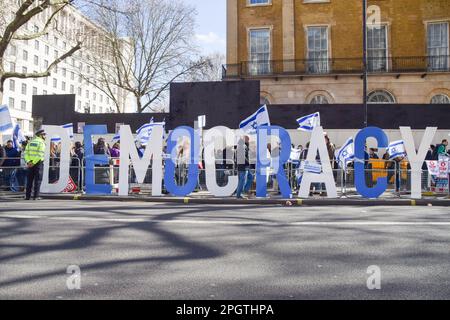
{"points": [[227, 103]]}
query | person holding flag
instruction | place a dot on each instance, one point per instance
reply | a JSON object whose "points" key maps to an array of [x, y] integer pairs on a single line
{"points": [[34, 157], [397, 153]]}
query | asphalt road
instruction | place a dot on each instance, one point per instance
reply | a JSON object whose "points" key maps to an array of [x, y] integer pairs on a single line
{"points": [[162, 251]]}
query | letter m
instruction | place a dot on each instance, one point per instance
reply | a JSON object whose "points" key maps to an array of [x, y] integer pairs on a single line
{"points": [[128, 151]]}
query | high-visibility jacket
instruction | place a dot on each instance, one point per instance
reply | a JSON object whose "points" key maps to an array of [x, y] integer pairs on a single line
{"points": [[35, 150]]}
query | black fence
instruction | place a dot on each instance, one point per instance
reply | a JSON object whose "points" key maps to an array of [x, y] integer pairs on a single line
{"points": [[227, 103]]}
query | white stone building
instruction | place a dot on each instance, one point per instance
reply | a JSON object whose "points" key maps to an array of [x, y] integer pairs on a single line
{"points": [[68, 77]]}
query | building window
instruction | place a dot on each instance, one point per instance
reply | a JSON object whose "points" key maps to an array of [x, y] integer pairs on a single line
{"points": [[259, 51], [47, 49], [319, 99], [317, 49], [377, 48], [55, 83], [36, 60], [72, 89], [258, 2], [72, 75], [438, 47], [24, 88], [440, 99], [35, 91], [79, 91], [12, 85], [12, 67], [64, 72], [24, 70], [380, 96], [36, 44], [23, 105], [45, 64], [63, 86], [13, 50], [25, 55], [45, 81], [11, 103]]}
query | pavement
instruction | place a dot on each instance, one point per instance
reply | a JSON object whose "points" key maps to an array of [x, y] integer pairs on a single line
{"points": [[142, 250]]}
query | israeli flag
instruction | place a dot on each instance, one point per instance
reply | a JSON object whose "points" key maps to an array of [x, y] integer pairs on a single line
{"points": [[308, 123], [69, 129], [396, 149], [258, 119], [5, 119], [346, 153], [144, 132], [18, 137], [116, 138]]}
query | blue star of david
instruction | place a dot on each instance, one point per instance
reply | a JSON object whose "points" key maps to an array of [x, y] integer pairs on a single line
{"points": [[254, 125]]}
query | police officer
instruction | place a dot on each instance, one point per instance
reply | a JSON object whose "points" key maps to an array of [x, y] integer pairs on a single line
{"points": [[34, 157]]}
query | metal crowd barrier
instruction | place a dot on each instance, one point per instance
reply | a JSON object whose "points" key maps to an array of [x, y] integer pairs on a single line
{"points": [[14, 178], [398, 175]]}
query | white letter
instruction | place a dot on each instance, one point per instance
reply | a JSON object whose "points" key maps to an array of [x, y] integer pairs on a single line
{"points": [[374, 280], [64, 165], [416, 159], [318, 144], [128, 149], [74, 281], [220, 138]]}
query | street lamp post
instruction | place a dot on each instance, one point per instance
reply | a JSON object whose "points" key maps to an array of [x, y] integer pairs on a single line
{"points": [[365, 61]]}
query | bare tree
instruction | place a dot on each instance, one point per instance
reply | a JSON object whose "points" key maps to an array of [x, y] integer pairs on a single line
{"points": [[12, 28], [151, 46], [211, 69]]}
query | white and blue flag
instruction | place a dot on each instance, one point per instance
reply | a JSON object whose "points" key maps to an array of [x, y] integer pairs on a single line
{"points": [[144, 132], [116, 138], [18, 137], [396, 149], [308, 123], [258, 119], [346, 153], [69, 129], [5, 119]]}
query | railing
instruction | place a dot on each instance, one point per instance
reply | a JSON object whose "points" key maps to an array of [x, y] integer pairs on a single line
{"points": [[13, 178], [336, 66]]}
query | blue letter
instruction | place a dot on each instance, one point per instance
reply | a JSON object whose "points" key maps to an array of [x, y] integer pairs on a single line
{"points": [[262, 162], [169, 173], [94, 159], [360, 143]]}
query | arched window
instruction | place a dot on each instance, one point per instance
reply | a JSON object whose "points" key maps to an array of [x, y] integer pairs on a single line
{"points": [[380, 96], [319, 99], [440, 99]]}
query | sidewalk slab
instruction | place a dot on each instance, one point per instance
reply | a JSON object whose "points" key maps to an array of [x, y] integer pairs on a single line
{"points": [[444, 202]]}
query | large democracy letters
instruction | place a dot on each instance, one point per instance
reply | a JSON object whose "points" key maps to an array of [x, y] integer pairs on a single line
{"points": [[416, 159], [153, 153], [218, 138], [169, 174], [64, 165], [317, 144], [263, 162], [94, 159], [360, 143]]}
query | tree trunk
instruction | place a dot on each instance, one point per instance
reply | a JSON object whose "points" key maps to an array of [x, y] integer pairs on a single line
{"points": [[138, 104]]}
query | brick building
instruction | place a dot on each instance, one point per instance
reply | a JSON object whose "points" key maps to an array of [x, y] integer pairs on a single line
{"points": [[310, 51]]}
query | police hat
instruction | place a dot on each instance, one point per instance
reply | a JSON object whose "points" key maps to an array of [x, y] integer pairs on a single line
{"points": [[40, 132]]}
